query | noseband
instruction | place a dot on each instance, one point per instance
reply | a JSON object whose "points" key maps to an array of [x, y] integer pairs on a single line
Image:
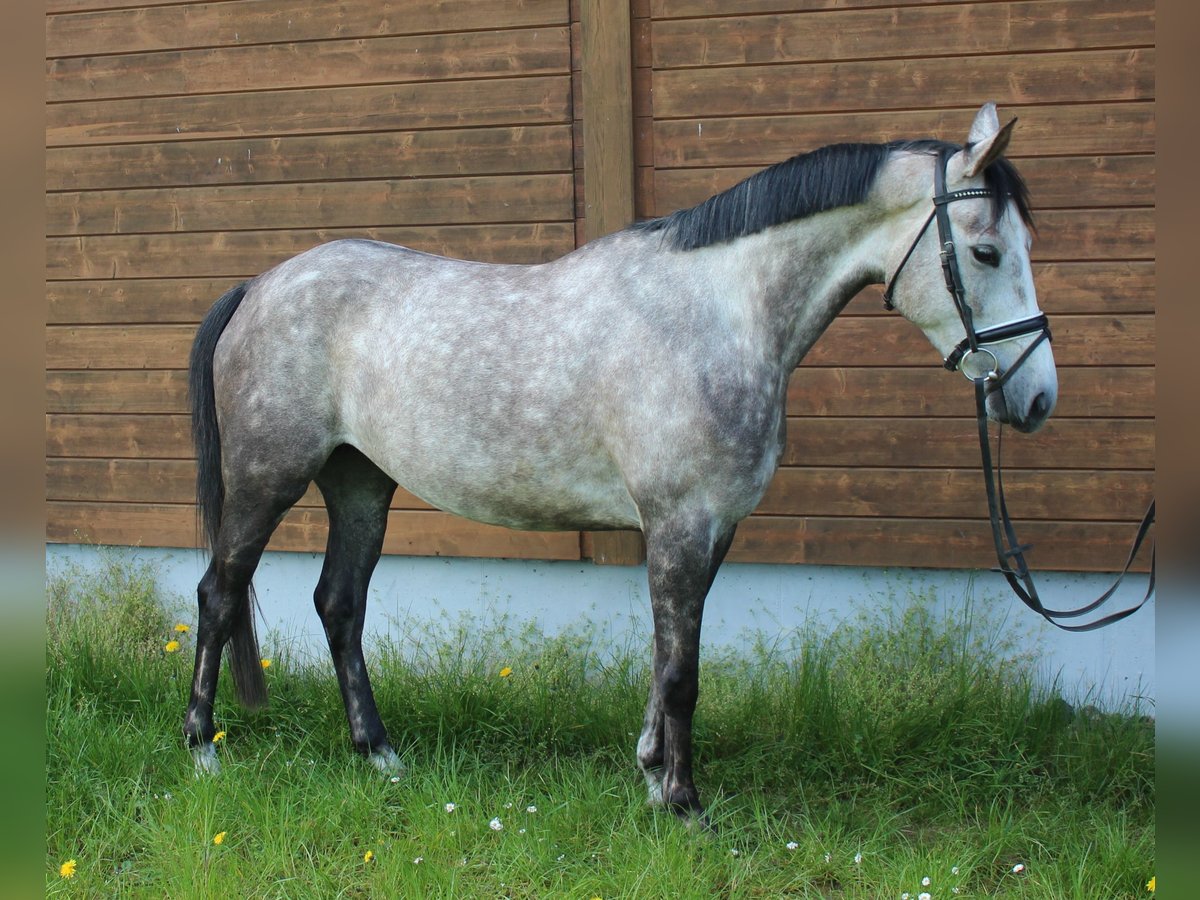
{"points": [[987, 378]]}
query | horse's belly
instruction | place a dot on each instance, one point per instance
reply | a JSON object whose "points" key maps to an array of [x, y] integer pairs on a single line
{"points": [[514, 492]]}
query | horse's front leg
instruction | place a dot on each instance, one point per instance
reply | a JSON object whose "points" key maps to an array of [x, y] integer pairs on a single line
{"points": [[682, 558]]}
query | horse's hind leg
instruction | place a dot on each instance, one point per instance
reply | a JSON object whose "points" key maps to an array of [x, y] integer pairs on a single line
{"points": [[357, 494], [248, 518], [682, 560]]}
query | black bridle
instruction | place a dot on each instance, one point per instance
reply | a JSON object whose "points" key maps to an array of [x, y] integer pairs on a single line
{"points": [[1010, 553]]}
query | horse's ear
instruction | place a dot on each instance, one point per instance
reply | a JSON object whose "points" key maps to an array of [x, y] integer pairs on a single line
{"points": [[987, 141]]}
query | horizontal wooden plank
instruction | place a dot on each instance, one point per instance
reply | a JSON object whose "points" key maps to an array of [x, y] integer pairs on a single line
{"points": [[538, 100], [862, 340], [329, 157], [1087, 287], [118, 436], [1069, 494], [1089, 129], [938, 543], [147, 27], [678, 9], [341, 204], [133, 391], [77, 6], [937, 443], [812, 441], [1054, 182], [1085, 76], [309, 64], [936, 30], [247, 253], [156, 300], [410, 532], [1111, 495], [1084, 392]]}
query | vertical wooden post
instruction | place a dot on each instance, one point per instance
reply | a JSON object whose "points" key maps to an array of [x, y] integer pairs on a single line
{"points": [[606, 68]]}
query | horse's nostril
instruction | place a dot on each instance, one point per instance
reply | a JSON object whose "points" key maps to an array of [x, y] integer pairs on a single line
{"points": [[1040, 407]]}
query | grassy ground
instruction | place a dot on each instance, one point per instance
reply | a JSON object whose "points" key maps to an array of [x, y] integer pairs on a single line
{"points": [[901, 749]]}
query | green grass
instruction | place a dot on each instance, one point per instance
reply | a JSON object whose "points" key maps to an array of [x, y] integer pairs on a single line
{"points": [[902, 740]]}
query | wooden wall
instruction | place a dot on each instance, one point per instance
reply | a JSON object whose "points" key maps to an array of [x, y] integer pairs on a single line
{"points": [[192, 144], [882, 464]]}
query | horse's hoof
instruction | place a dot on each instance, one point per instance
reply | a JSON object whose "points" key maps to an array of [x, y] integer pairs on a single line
{"points": [[386, 761], [206, 762]]}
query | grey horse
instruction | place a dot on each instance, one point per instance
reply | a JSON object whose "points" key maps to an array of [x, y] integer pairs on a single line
{"points": [[638, 382]]}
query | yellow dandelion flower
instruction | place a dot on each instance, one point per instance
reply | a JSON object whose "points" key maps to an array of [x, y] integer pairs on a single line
{"points": [[1149, 884], [506, 671], [266, 663], [368, 856], [219, 837], [171, 646], [218, 737], [67, 869], [183, 629]]}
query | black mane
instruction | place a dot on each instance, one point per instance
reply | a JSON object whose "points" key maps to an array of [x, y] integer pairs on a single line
{"points": [[827, 178]]}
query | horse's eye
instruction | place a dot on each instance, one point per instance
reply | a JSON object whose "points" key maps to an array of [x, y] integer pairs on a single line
{"points": [[987, 254]]}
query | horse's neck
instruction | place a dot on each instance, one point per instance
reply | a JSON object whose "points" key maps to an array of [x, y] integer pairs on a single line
{"points": [[799, 276]]}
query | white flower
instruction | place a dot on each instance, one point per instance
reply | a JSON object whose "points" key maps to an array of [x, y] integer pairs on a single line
{"points": [[531, 808], [954, 870], [736, 852], [925, 881], [560, 857], [520, 831], [924, 895], [495, 824], [508, 805], [1018, 868], [858, 859], [395, 779], [954, 890], [792, 845], [904, 896], [828, 857], [418, 860], [450, 807]]}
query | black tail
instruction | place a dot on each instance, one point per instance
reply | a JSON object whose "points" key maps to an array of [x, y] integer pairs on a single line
{"points": [[244, 661]]}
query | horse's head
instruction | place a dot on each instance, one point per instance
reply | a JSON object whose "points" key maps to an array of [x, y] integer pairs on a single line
{"points": [[982, 211]]}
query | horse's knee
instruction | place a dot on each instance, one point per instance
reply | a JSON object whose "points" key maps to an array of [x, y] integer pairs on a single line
{"points": [[678, 685]]}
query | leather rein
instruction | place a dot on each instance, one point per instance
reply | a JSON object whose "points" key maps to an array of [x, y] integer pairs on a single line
{"points": [[968, 357]]}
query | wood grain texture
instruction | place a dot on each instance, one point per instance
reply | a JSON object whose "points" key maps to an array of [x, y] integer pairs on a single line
{"points": [[441, 104], [357, 204], [323, 157], [1096, 128], [904, 83], [935, 30], [150, 26], [310, 64]]}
